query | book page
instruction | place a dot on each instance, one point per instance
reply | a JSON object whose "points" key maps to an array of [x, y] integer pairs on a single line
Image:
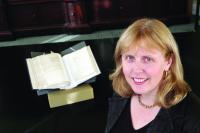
{"points": [[81, 65], [48, 72]]}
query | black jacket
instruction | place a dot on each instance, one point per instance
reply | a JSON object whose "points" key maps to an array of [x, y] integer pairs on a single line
{"points": [[181, 118]]}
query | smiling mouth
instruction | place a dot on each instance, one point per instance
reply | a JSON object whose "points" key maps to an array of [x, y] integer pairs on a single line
{"points": [[139, 81]]}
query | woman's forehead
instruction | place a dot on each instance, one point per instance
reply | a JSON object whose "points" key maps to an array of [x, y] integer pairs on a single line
{"points": [[144, 51], [144, 45]]}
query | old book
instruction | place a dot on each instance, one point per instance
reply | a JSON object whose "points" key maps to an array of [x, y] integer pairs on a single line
{"points": [[50, 71], [65, 97]]}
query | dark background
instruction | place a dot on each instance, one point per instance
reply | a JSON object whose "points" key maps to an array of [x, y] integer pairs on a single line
{"points": [[21, 109]]}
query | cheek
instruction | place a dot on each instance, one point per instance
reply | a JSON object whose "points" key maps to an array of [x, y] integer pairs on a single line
{"points": [[155, 71], [126, 69]]}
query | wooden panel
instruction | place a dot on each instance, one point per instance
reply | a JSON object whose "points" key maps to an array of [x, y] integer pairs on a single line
{"points": [[120, 13], [103, 10], [43, 17], [104, 14], [37, 14], [37, 17], [131, 8], [3, 21], [5, 33], [156, 8], [30, 1]]}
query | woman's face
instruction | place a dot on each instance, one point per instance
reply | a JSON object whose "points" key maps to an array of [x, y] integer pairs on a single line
{"points": [[143, 68]]}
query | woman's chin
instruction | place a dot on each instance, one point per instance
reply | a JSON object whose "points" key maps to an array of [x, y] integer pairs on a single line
{"points": [[138, 91]]}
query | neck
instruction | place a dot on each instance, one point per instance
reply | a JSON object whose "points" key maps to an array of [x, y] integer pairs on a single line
{"points": [[149, 98], [145, 105]]}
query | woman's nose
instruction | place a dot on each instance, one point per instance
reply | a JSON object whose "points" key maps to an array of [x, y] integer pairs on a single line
{"points": [[137, 67]]}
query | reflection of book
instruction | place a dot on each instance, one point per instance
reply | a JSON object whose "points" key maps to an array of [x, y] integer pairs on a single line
{"points": [[50, 71], [65, 97]]}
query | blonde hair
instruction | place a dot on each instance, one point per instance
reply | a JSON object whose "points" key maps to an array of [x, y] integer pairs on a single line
{"points": [[173, 87]]}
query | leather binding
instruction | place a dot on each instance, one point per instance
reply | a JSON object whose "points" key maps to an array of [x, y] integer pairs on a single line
{"points": [[77, 16]]}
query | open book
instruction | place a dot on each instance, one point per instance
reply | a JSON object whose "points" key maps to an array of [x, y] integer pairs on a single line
{"points": [[50, 71]]}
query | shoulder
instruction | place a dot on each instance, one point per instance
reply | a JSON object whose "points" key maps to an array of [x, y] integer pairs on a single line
{"points": [[116, 101], [116, 97], [191, 105], [187, 112], [116, 106]]}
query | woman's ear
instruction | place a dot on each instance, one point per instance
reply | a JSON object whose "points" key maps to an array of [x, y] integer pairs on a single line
{"points": [[168, 63]]}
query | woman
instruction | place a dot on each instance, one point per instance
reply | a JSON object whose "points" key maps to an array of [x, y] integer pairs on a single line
{"points": [[151, 93]]}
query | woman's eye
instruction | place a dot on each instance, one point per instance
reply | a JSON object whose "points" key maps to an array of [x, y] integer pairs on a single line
{"points": [[129, 58], [147, 59]]}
